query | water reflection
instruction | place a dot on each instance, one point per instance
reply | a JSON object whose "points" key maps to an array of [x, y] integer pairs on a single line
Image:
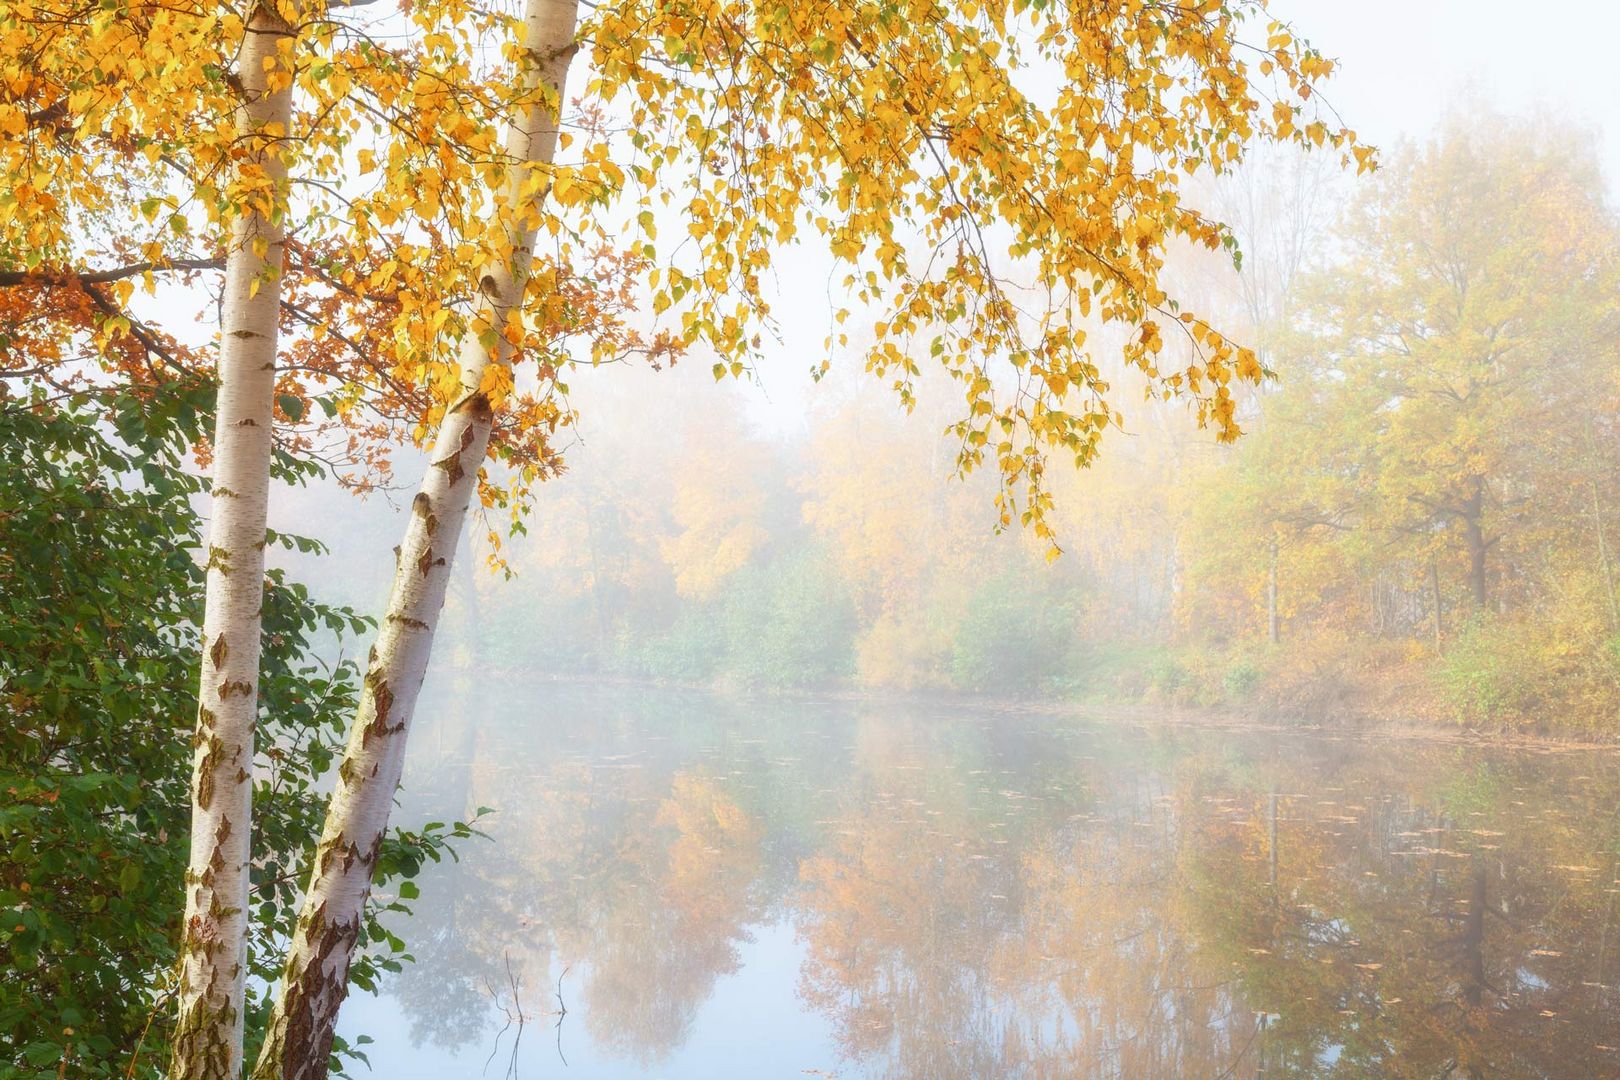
{"points": [[714, 887]]}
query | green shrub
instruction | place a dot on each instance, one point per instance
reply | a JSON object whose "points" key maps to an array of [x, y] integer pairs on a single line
{"points": [[1016, 637], [100, 594], [788, 622], [1241, 678], [690, 651], [1167, 676], [1488, 675]]}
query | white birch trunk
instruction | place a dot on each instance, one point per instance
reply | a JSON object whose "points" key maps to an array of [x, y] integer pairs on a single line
{"points": [[208, 1033], [315, 980]]}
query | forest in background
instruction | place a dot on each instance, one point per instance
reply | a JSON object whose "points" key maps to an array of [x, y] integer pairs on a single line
{"points": [[1419, 520]]}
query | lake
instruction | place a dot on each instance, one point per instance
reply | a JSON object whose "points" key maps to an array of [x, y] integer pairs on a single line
{"points": [[685, 885]]}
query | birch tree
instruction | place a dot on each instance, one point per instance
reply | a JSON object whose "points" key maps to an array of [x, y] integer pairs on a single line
{"points": [[213, 965], [299, 1041]]}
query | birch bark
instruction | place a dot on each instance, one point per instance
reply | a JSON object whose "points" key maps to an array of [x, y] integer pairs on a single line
{"points": [[208, 1033], [315, 980]]}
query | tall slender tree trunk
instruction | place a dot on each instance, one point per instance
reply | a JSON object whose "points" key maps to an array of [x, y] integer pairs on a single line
{"points": [[208, 1034], [1473, 522], [299, 1040], [1273, 622], [1604, 559], [1434, 598]]}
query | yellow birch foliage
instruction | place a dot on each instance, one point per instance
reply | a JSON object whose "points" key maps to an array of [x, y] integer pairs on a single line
{"points": [[995, 177]]}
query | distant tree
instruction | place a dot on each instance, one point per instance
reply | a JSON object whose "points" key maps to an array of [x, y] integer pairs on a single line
{"points": [[1440, 424], [1470, 262]]}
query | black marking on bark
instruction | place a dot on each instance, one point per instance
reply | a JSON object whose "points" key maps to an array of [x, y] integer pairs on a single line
{"points": [[216, 861], [406, 620], [384, 698], [452, 467], [206, 768], [218, 559], [235, 686], [371, 853], [299, 1043], [422, 507], [218, 652]]}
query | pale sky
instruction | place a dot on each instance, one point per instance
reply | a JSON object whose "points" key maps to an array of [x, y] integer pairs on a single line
{"points": [[1404, 62]]}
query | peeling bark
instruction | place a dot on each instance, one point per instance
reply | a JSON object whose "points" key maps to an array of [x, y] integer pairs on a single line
{"points": [[208, 1033], [315, 981]]}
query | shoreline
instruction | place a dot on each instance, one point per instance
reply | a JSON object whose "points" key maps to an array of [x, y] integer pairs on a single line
{"points": [[1353, 722]]}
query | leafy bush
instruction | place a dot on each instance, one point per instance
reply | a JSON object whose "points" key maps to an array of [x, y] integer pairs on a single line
{"points": [[1489, 674], [1241, 678], [787, 623], [1167, 676], [783, 623], [1015, 637], [691, 650], [100, 594]]}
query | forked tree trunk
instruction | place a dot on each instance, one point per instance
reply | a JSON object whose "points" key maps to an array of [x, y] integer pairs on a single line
{"points": [[299, 1040], [208, 1033]]}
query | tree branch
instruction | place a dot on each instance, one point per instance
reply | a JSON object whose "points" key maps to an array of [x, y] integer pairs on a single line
{"points": [[101, 277]]}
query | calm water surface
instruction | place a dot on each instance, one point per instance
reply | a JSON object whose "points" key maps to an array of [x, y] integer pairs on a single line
{"points": [[717, 887]]}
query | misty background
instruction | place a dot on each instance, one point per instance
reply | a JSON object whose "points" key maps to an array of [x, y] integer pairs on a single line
{"points": [[784, 532]]}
